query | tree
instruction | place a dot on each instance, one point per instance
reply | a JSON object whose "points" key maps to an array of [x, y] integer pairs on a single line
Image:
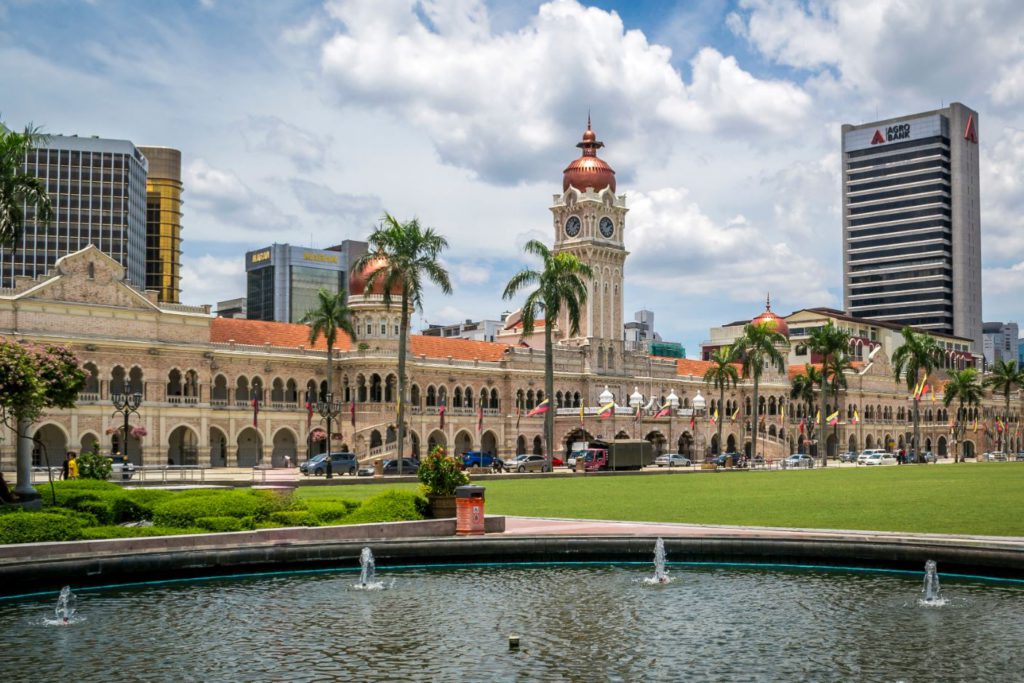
{"points": [[827, 341], [833, 374], [1004, 377], [32, 379], [758, 349], [330, 315], [802, 389], [721, 375], [963, 386], [914, 360], [560, 283], [408, 255], [18, 188]]}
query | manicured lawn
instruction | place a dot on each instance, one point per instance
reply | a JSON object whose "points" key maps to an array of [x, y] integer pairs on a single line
{"points": [[984, 499]]}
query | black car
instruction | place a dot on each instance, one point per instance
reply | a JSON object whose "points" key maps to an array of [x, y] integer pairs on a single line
{"points": [[409, 466], [341, 463], [737, 460]]}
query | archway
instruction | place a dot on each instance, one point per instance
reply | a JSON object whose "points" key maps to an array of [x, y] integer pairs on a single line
{"points": [[375, 439], [830, 446], [183, 446], [685, 445], [943, 447], [730, 444], [968, 449], [800, 445], [927, 444], [414, 445], [463, 443], [134, 447], [88, 443], [250, 447], [714, 444], [285, 445], [218, 448], [538, 445], [520, 445], [55, 441], [436, 438], [869, 442], [851, 445], [658, 441], [489, 443]]}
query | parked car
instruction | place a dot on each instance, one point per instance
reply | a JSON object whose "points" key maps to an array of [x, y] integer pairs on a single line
{"points": [[672, 460], [409, 466], [880, 459], [341, 463], [556, 461], [723, 460], [999, 457], [477, 459], [848, 456], [798, 460], [865, 454], [1020, 457], [529, 463], [930, 457]]}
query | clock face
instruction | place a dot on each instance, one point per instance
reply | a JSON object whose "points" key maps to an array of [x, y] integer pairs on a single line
{"points": [[607, 227], [572, 226]]}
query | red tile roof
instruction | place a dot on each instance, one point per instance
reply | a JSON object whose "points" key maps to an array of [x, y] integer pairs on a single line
{"points": [[687, 366], [260, 332], [538, 324], [460, 349]]}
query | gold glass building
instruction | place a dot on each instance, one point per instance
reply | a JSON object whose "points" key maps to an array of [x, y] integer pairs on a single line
{"points": [[163, 222]]}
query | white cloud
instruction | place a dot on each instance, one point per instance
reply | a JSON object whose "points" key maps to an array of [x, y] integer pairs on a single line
{"points": [[229, 204], [357, 211], [209, 279], [302, 147], [507, 112]]}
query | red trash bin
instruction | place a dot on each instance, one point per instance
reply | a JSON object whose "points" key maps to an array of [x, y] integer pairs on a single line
{"points": [[469, 510]]}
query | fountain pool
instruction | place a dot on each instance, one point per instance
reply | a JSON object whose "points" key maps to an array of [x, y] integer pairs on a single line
{"points": [[575, 622]]}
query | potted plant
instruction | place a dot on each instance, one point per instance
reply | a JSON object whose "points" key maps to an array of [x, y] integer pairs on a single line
{"points": [[440, 475]]}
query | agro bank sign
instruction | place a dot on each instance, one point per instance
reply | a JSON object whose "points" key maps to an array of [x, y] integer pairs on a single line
{"points": [[898, 131]]}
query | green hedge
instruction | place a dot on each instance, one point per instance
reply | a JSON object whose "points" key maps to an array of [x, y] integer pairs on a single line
{"points": [[331, 512], [84, 518], [294, 518], [89, 488], [390, 506], [37, 527], [102, 510], [184, 510], [101, 532], [219, 524]]}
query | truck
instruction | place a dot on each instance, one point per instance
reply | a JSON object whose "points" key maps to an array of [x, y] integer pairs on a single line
{"points": [[620, 454]]}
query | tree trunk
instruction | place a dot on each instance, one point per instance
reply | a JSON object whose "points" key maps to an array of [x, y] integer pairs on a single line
{"points": [[1006, 424], [721, 405], [753, 437], [917, 430], [403, 334], [23, 488], [822, 443], [549, 390]]}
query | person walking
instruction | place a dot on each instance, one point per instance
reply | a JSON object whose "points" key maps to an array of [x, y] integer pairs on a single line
{"points": [[64, 466], [72, 465]]}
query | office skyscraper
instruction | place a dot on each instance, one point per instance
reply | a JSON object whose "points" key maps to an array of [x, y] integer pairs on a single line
{"points": [[911, 221], [163, 222], [98, 191]]}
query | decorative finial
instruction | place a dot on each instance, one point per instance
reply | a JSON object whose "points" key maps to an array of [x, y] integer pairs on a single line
{"points": [[588, 118], [768, 302]]}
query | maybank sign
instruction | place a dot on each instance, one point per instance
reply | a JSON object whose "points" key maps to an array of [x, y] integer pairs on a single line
{"points": [[898, 131], [319, 257]]}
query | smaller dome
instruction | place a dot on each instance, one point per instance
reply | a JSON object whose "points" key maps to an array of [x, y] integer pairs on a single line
{"points": [[357, 281], [589, 170], [776, 322], [606, 396]]}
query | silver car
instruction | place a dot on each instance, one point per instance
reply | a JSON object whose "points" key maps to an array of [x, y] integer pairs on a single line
{"points": [[672, 460], [528, 463]]}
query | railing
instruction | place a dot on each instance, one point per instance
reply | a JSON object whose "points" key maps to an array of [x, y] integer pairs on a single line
{"points": [[378, 451], [88, 397], [177, 472], [219, 402], [187, 400]]}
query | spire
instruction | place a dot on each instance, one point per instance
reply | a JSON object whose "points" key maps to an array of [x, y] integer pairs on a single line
{"points": [[768, 302], [590, 144]]}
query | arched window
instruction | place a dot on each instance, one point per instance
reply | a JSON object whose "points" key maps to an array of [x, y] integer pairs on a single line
{"points": [[494, 399], [431, 396]]}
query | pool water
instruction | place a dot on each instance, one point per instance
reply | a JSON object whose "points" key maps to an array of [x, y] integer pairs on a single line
{"points": [[575, 623]]}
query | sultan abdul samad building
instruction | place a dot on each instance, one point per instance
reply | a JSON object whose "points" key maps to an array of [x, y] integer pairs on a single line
{"points": [[199, 375]]}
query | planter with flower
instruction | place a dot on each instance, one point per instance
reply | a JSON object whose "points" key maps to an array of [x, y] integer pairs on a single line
{"points": [[440, 475]]}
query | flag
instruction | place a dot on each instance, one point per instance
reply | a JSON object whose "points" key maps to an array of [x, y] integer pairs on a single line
{"points": [[782, 414], [925, 388], [975, 425], [255, 406], [817, 417], [398, 407], [801, 425], [541, 408], [581, 412], [917, 390], [833, 419], [664, 411], [352, 411], [714, 417], [856, 416], [440, 414], [309, 409], [692, 422], [607, 410], [519, 415], [480, 418], [933, 395], [999, 426], [636, 418], [735, 414]]}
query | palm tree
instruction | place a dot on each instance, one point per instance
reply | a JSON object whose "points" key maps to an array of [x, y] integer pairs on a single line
{"points": [[963, 386], [802, 389], [917, 356], [561, 283], [721, 375], [827, 341], [409, 255], [758, 349], [1004, 377], [331, 314], [18, 188], [834, 375]]}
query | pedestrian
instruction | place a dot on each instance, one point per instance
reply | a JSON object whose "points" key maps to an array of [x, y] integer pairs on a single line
{"points": [[287, 462], [72, 465], [64, 466]]}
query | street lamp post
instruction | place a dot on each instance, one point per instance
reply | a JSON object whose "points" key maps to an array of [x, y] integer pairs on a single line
{"points": [[126, 404], [636, 399], [328, 410], [699, 403], [673, 403]]}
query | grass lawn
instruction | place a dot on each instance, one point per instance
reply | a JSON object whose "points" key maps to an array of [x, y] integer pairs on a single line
{"points": [[981, 499]]}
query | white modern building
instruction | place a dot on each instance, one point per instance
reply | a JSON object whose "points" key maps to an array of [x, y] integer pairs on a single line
{"points": [[1000, 342], [911, 221]]}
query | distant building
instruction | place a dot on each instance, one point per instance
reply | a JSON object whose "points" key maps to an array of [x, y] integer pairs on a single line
{"points": [[163, 222], [1000, 342], [639, 335], [232, 308], [480, 330], [282, 280], [97, 188]]}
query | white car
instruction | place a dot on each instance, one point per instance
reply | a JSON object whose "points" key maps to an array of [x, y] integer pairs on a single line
{"points": [[880, 459], [672, 460], [868, 453]]}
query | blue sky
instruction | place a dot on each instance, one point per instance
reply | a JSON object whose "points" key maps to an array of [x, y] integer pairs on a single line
{"points": [[301, 121]]}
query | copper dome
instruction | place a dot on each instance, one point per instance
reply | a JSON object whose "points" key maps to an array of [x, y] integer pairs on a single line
{"points": [[589, 170], [777, 323], [357, 281]]}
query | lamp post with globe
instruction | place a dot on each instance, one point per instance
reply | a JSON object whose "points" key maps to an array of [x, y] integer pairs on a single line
{"points": [[699, 403], [328, 409], [126, 404], [636, 399], [673, 404]]}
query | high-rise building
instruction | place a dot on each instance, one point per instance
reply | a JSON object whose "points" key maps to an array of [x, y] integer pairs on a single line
{"points": [[163, 222], [1000, 342], [282, 281], [911, 221], [97, 188]]}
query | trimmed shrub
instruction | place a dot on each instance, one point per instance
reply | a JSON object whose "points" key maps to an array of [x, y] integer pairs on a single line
{"points": [[102, 510], [390, 506], [100, 532], [331, 512], [125, 509], [36, 527], [184, 510], [87, 488], [248, 522], [219, 524], [84, 518], [294, 518]]}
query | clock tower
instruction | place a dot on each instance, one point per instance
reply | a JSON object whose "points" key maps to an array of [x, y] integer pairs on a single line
{"points": [[589, 220]]}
